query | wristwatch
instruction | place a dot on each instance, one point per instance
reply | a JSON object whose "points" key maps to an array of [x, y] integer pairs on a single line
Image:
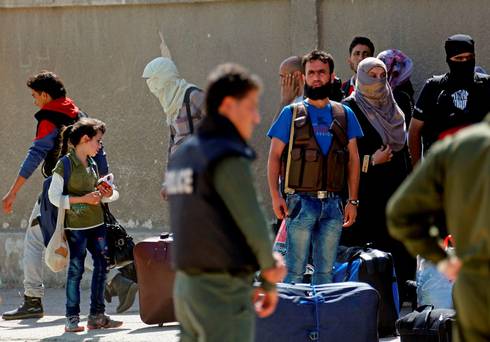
{"points": [[355, 203]]}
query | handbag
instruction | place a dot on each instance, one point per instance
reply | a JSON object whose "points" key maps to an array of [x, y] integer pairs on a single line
{"points": [[57, 253], [119, 243]]}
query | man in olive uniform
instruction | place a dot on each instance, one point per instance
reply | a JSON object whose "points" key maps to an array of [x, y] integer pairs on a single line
{"points": [[453, 186], [220, 232]]}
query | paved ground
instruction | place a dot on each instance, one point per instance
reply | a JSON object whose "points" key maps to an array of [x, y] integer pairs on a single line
{"points": [[50, 327]]}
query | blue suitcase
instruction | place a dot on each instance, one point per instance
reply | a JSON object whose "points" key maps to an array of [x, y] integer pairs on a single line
{"points": [[345, 312]]}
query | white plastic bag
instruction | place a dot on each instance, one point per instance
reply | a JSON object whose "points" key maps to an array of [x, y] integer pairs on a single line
{"points": [[57, 254]]}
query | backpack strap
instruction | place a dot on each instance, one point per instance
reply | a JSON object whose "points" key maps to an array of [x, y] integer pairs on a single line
{"points": [[339, 123], [187, 102], [296, 108], [66, 173]]}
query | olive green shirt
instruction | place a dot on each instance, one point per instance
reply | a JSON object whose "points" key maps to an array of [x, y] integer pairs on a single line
{"points": [[453, 182], [82, 181], [234, 183]]}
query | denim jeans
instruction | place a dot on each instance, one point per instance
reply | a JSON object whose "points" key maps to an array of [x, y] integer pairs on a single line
{"points": [[315, 221], [93, 240]]}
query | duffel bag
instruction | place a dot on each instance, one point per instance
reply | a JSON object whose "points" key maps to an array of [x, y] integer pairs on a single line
{"points": [[427, 324], [329, 312]]}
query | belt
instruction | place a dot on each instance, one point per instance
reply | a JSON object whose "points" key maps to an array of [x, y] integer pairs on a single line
{"points": [[317, 194]]}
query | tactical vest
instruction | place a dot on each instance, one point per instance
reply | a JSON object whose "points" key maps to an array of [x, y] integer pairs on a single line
{"points": [[304, 166], [206, 237]]}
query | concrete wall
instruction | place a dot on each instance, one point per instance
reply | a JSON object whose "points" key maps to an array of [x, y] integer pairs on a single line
{"points": [[417, 27], [100, 52], [101, 47]]}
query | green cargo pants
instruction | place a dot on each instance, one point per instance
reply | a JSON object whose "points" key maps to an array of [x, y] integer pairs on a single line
{"points": [[214, 307], [472, 301]]}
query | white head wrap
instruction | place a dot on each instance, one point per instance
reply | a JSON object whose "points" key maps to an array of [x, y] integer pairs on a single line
{"points": [[164, 81]]}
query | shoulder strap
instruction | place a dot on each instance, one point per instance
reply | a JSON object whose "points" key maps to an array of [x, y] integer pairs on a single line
{"points": [[187, 98], [338, 113], [297, 108], [339, 117], [66, 173]]}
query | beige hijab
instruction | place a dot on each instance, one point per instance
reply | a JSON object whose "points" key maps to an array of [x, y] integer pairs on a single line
{"points": [[375, 99], [164, 81]]}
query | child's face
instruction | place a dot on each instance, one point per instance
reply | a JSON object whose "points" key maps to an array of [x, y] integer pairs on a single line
{"points": [[94, 144]]}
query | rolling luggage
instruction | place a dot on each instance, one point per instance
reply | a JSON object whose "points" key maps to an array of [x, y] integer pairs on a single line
{"points": [[426, 324], [376, 268], [155, 279], [323, 313]]}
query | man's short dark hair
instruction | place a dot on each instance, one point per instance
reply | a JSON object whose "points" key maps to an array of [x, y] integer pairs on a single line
{"points": [[48, 82], [361, 41], [318, 55], [229, 80]]}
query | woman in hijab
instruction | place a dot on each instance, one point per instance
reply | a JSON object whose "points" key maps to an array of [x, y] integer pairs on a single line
{"points": [[384, 164], [399, 69]]}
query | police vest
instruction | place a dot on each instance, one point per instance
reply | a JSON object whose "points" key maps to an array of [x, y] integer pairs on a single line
{"points": [[206, 237], [304, 166]]}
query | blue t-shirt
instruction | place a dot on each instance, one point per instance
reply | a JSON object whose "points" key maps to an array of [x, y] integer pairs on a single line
{"points": [[321, 119]]}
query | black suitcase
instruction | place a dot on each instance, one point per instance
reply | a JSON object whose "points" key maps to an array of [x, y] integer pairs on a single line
{"points": [[427, 324]]}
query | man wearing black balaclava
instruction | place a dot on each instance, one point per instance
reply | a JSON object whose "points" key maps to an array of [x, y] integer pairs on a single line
{"points": [[451, 101]]}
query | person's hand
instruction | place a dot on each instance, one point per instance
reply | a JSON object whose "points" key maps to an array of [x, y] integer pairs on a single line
{"points": [[163, 47], [276, 273], [264, 302], [289, 88], [163, 193], [280, 208], [8, 202], [92, 198], [105, 190], [382, 155], [450, 267], [350, 214]]}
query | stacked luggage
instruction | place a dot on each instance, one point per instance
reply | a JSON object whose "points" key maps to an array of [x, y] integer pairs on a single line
{"points": [[375, 268]]}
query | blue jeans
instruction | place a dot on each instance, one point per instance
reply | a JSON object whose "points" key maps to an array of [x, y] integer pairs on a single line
{"points": [[93, 240], [315, 221]]}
